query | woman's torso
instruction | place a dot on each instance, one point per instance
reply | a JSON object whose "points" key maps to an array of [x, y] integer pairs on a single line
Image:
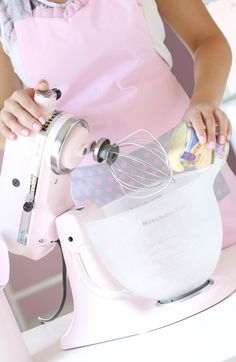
{"points": [[13, 11]]}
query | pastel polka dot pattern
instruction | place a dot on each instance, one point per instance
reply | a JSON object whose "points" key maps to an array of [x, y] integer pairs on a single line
{"points": [[221, 188], [92, 182], [96, 183]]}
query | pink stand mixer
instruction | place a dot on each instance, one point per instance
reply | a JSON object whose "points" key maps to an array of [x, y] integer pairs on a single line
{"points": [[129, 271]]}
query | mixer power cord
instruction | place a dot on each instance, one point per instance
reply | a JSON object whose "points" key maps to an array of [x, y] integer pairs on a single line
{"points": [[64, 288]]}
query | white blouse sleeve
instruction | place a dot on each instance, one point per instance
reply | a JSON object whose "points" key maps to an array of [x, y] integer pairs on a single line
{"points": [[2, 26]]}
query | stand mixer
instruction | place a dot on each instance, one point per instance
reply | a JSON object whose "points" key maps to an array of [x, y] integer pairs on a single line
{"points": [[129, 271]]}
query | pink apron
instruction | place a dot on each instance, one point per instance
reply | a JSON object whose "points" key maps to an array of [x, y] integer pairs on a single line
{"points": [[100, 54]]}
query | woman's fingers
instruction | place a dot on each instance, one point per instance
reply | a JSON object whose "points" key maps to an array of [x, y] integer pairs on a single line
{"points": [[12, 123], [14, 111], [20, 114], [210, 123], [42, 85], [199, 126], [6, 132], [25, 101], [229, 131], [37, 117], [224, 126]]}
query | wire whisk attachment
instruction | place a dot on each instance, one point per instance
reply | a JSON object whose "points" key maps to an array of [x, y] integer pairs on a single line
{"points": [[138, 162]]}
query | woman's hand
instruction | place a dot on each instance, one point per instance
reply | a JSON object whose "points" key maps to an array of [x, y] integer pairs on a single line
{"points": [[210, 123], [20, 114]]}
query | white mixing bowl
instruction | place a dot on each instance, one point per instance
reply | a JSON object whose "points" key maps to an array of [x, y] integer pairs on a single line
{"points": [[164, 247]]}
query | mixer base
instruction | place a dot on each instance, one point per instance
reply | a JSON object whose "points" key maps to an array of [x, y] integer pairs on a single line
{"points": [[97, 319]]}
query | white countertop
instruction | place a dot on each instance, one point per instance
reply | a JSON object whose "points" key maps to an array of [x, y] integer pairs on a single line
{"points": [[207, 337]]}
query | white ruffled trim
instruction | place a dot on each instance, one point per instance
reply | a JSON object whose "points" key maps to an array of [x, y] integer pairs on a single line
{"points": [[52, 4]]}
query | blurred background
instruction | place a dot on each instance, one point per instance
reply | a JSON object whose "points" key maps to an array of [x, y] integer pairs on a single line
{"points": [[35, 288]]}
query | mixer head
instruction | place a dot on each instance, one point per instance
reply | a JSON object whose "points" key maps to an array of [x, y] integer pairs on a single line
{"points": [[138, 162]]}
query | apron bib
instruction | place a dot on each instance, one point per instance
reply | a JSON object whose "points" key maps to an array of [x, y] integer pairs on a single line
{"points": [[100, 54]]}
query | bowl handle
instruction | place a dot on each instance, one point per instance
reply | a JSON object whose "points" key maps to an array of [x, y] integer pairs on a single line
{"points": [[93, 286]]}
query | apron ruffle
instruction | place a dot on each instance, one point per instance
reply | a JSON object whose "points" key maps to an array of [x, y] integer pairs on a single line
{"points": [[59, 12]]}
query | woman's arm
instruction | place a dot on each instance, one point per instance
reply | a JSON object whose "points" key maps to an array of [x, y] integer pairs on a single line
{"points": [[18, 112], [212, 61], [9, 82]]}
